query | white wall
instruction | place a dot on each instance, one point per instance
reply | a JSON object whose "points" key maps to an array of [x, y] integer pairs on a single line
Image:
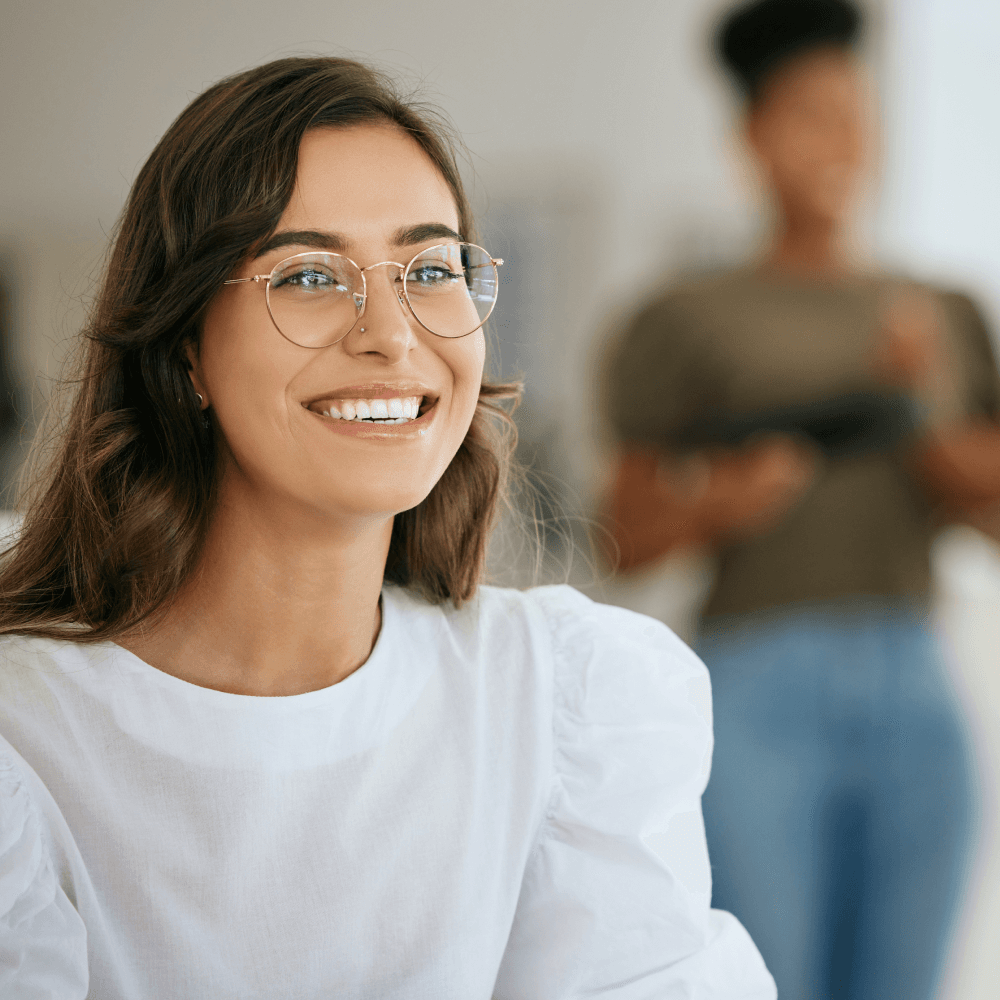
{"points": [[941, 197], [616, 90]]}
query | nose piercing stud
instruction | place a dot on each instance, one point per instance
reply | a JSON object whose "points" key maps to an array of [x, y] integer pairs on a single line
{"points": [[362, 330]]}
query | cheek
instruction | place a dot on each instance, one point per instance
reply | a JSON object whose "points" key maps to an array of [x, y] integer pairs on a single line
{"points": [[798, 169], [242, 364], [467, 365], [796, 148]]}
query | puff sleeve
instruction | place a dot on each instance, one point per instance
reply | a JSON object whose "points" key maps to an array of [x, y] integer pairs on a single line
{"points": [[43, 942], [615, 898]]}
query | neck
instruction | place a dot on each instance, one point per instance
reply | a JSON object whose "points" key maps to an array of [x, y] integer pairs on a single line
{"points": [[281, 602], [808, 246]]}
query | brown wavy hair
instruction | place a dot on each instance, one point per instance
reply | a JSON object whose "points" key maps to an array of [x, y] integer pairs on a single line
{"points": [[115, 523]]}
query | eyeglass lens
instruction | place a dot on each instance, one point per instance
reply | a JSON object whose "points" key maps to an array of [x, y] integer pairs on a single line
{"points": [[316, 298]]}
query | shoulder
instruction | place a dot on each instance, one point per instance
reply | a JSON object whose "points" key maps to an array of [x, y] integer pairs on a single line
{"points": [[42, 938], [674, 328], [959, 304], [579, 627], [494, 623], [966, 320], [625, 684], [41, 680], [31, 650], [963, 311], [602, 661], [691, 297], [594, 664], [569, 624], [25, 659]]}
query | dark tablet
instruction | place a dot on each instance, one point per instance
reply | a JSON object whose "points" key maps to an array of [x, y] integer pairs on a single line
{"points": [[855, 424]]}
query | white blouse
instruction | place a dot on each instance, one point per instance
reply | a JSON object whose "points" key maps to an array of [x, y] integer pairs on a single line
{"points": [[502, 802]]}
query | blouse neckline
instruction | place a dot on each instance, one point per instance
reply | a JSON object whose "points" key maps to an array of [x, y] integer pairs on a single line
{"points": [[377, 663], [206, 727]]}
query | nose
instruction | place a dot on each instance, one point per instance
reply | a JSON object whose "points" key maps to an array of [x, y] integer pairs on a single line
{"points": [[385, 328]]}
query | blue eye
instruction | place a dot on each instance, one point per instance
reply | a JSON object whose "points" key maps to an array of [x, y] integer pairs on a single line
{"points": [[431, 275], [310, 278]]}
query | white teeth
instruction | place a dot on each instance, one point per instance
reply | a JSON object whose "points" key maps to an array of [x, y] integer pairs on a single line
{"points": [[397, 410]]}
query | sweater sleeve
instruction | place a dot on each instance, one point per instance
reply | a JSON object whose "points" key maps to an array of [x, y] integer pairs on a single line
{"points": [[43, 941], [615, 900]]}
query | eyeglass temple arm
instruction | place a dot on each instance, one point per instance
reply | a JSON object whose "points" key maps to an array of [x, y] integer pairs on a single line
{"points": [[237, 281]]}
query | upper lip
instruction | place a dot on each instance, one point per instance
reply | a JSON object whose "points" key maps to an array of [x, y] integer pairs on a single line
{"points": [[375, 390]]}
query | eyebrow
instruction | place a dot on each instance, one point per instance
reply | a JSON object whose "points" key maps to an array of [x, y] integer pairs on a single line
{"points": [[338, 243]]}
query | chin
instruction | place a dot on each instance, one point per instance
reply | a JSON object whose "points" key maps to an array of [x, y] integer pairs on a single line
{"points": [[375, 503], [831, 207]]}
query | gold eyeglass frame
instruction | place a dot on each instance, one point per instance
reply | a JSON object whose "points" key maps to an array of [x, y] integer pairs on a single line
{"points": [[404, 299]]}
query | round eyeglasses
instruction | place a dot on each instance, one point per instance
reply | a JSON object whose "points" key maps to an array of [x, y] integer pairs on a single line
{"points": [[315, 299]]}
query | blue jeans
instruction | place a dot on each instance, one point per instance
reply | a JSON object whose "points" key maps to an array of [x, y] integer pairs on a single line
{"points": [[840, 807]]}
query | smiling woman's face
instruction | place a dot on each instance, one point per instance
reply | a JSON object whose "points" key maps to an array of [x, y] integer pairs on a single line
{"points": [[374, 195]]}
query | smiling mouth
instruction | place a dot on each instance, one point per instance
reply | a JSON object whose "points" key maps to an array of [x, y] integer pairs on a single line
{"points": [[397, 410]]}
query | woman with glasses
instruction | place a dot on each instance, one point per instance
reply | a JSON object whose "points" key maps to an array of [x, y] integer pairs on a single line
{"points": [[262, 733]]}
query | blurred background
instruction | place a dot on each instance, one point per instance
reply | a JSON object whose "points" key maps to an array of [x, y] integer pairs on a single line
{"points": [[602, 163]]}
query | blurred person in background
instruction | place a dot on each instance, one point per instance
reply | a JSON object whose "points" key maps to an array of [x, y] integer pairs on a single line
{"points": [[815, 424], [262, 732]]}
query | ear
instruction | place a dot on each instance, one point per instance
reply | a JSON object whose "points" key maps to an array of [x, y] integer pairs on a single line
{"points": [[191, 361]]}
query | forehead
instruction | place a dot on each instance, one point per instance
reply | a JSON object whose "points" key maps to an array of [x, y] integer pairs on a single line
{"points": [[830, 74], [366, 179]]}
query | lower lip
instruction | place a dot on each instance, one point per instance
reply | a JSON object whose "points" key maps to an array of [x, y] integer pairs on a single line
{"points": [[384, 432]]}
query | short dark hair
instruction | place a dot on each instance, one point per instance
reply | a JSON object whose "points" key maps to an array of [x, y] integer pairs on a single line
{"points": [[755, 38], [118, 519]]}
